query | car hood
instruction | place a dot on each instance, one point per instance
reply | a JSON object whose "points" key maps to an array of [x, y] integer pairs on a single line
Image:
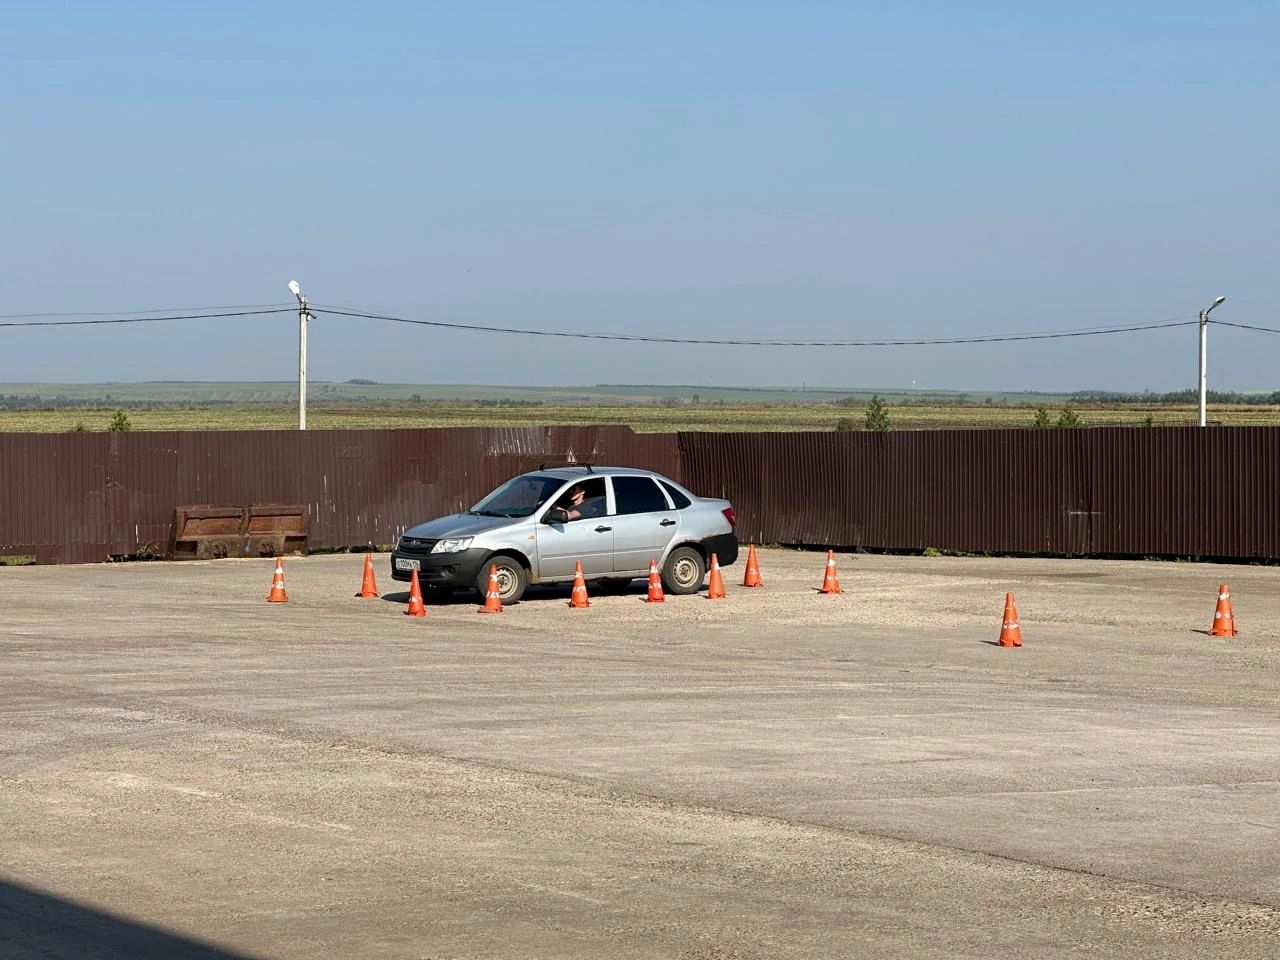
{"points": [[459, 525]]}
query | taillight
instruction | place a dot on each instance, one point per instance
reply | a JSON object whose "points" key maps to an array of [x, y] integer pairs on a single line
{"points": [[730, 516]]}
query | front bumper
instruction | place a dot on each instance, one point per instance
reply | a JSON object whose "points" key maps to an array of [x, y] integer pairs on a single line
{"points": [[441, 569]]}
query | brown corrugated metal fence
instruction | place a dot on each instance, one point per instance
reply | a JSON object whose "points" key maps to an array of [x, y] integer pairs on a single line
{"points": [[82, 497], [1121, 491]]}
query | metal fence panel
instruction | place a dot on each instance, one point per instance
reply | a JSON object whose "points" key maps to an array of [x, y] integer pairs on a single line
{"points": [[80, 497], [1120, 491]]}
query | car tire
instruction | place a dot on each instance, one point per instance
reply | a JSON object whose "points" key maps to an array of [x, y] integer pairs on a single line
{"points": [[512, 579], [683, 570]]}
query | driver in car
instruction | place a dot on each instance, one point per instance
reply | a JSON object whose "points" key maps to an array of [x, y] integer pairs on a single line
{"points": [[579, 506]]}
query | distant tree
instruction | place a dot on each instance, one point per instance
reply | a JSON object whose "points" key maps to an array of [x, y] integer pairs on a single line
{"points": [[120, 422], [79, 427], [846, 424], [697, 399], [1149, 420], [1068, 419], [1042, 420], [877, 415]]}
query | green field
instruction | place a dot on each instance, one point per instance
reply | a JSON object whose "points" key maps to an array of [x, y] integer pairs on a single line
{"points": [[645, 418], [321, 392], [650, 409]]}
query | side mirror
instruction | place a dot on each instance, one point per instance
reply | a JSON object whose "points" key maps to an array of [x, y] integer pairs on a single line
{"points": [[555, 515]]}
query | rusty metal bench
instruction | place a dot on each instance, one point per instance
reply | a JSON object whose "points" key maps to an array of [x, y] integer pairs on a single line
{"points": [[205, 532]]}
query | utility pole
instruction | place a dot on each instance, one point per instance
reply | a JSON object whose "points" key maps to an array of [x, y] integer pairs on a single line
{"points": [[303, 316], [1204, 355]]}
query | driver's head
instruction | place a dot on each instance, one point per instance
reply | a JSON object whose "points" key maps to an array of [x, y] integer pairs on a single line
{"points": [[577, 494]]}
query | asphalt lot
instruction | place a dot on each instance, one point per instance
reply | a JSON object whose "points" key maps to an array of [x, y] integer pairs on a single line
{"points": [[187, 770]]}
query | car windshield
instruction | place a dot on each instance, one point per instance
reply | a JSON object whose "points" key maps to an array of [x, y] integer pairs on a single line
{"points": [[519, 497]]}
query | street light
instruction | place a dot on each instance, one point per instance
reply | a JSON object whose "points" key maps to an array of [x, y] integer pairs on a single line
{"points": [[303, 316], [1204, 354]]}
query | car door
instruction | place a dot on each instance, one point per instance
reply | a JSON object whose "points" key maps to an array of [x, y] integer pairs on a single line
{"points": [[643, 524], [588, 541]]}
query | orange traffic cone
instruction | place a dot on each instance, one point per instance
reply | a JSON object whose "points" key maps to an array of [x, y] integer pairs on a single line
{"points": [[416, 607], [655, 584], [1224, 620], [277, 594], [579, 596], [369, 586], [492, 597], [715, 589], [1010, 629], [752, 578], [830, 582]]}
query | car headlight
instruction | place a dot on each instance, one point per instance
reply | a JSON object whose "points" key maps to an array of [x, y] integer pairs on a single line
{"points": [[453, 545]]}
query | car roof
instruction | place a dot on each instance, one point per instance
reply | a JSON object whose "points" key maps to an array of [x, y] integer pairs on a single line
{"points": [[580, 471]]}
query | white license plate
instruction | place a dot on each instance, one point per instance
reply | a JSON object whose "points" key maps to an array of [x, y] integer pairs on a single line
{"points": [[403, 563]]}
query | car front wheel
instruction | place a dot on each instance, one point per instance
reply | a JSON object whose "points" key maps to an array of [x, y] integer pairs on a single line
{"points": [[512, 579], [683, 571]]}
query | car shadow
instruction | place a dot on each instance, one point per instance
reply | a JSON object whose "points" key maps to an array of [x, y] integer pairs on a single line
{"points": [[536, 593], [39, 924]]}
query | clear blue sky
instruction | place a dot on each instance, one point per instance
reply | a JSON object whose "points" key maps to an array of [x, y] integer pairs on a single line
{"points": [[834, 169]]}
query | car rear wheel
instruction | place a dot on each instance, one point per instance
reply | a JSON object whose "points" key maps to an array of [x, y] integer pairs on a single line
{"points": [[512, 579], [683, 571]]}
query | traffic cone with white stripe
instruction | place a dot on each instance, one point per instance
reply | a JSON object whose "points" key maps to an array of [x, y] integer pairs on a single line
{"points": [[416, 607], [1010, 629], [715, 588], [368, 586], [752, 576], [655, 584], [1224, 619], [578, 598], [277, 594], [493, 596], [830, 582]]}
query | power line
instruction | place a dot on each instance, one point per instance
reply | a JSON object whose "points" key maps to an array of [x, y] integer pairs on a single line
{"points": [[638, 338], [120, 317], [134, 313], [1244, 326], [189, 316]]}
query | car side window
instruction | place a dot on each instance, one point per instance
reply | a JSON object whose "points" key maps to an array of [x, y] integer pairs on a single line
{"points": [[637, 495], [678, 498], [584, 500]]}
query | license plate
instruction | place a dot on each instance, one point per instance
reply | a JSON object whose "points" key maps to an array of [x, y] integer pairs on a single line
{"points": [[403, 563]]}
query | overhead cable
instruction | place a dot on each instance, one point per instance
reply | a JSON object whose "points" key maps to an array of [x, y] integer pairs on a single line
{"points": [[134, 313], [1244, 326], [642, 338], [105, 320]]}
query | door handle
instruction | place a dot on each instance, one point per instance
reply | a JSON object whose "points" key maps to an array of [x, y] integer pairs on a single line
{"points": [[603, 529], [667, 523]]}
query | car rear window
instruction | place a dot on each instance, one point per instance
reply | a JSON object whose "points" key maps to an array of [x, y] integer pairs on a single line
{"points": [[637, 495], [678, 498]]}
